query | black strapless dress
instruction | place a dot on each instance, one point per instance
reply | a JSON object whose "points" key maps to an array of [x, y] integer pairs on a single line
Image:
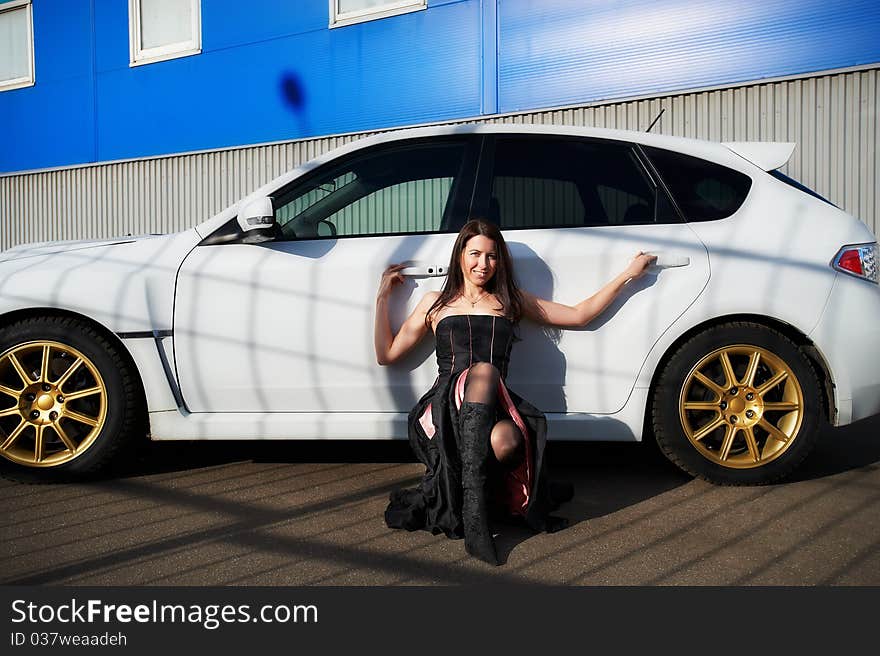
{"points": [[524, 492]]}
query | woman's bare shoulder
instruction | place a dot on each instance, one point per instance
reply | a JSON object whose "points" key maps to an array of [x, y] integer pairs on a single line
{"points": [[426, 305], [428, 300]]}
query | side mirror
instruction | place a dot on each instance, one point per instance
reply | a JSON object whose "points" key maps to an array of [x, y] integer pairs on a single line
{"points": [[256, 219], [257, 214]]}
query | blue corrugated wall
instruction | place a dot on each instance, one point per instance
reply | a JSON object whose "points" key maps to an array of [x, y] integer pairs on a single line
{"points": [[272, 70], [559, 52]]}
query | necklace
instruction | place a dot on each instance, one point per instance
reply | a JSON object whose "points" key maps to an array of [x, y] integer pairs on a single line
{"points": [[474, 303]]}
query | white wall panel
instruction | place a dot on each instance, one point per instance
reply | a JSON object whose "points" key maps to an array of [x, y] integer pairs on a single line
{"points": [[833, 118]]}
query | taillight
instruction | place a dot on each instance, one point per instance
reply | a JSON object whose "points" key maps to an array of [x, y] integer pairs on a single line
{"points": [[858, 260]]}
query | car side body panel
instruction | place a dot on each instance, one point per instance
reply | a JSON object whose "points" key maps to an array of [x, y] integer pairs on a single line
{"points": [[125, 286], [764, 260], [285, 327], [170, 425], [848, 335]]}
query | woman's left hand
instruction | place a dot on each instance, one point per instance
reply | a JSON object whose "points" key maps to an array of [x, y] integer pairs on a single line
{"points": [[639, 265]]}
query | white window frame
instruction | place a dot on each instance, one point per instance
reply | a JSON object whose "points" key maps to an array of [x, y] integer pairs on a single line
{"points": [[140, 56], [389, 8], [29, 79]]}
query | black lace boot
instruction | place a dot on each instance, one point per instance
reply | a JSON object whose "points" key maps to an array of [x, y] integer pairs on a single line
{"points": [[475, 424]]}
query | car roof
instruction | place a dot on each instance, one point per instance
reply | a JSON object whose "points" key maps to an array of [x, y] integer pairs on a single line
{"points": [[700, 147]]}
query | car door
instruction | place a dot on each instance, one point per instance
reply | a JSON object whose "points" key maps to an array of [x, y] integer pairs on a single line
{"points": [[287, 325], [574, 212]]}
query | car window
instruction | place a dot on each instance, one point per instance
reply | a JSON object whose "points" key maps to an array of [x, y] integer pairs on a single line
{"points": [[558, 182], [397, 189], [704, 191]]}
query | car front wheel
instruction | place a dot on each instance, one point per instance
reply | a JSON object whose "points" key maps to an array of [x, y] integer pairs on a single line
{"points": [[68, 401], [738, 404]]}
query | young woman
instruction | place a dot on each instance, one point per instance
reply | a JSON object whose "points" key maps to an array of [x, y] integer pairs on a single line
{"points": [[469, 422]]}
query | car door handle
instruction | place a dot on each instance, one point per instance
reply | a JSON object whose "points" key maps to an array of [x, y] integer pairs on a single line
{"points": [[669, 260], [418, 270]]}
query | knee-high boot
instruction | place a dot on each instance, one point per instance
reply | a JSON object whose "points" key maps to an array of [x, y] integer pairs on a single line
{"points": [[475, 425]]}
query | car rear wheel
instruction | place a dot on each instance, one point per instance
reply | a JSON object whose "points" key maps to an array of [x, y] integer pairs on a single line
{"points": [[738, 404], [68, 400]]}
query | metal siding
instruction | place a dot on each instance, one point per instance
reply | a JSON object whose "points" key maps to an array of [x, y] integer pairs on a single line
{"points": [[833, 118]]}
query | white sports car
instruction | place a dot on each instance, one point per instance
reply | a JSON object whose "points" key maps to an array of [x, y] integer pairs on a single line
{"points": [[759, 321]]}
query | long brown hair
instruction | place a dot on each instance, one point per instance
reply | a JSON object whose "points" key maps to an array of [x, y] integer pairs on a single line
{"points": [[502, 284]]}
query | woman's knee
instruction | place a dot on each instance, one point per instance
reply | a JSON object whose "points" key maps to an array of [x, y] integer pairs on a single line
{"points": [[485, 370], [506, 441]]}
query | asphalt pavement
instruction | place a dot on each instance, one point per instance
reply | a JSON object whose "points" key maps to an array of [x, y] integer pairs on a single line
{"points": [[310, 513]]}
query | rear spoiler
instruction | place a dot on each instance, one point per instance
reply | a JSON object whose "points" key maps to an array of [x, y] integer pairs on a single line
{"points": [[768, 155]]}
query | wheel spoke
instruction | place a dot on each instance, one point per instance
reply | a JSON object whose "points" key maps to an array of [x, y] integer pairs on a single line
{"points": [[777, 378], [752, 369], [19, 370], [63, 436], [729, 434], [44, 363], [83, 419], [13, 436], [8, 391], [708, 382], [38, 443], [67, 374], [775, 433], [729, 376], [752, 443], [81, 393], [701, 405], [783, 406], [9, 412], [708, 428]]}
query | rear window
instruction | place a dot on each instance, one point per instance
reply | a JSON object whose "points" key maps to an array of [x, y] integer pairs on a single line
{"points": [[704, 191]]}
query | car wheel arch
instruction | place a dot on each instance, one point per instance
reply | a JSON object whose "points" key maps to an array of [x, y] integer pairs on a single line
{"points": [[809, 349], [50, 312]]}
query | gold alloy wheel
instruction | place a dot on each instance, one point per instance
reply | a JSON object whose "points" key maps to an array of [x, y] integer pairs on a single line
{"points": [[53, 403], [741, 406]]}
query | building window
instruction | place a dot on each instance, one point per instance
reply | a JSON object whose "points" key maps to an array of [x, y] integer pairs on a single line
{"points": [[163, 29], [346, 12], [16, 44]]}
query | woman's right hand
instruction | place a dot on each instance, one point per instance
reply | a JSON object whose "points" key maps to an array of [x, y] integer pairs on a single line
{"points": [[390, 277], [639, 265]]}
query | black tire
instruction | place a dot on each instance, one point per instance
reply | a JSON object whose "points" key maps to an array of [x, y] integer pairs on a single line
{"points": [[123, 413], [755, 455]]}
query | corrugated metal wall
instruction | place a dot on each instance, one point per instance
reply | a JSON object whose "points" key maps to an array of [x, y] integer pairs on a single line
{"points": [[833, 118]]}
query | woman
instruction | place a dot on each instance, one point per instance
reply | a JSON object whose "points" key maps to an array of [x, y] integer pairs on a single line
{"points": [[469, 421]]}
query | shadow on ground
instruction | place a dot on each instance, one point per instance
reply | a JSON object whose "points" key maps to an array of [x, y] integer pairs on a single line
{"points": [[260, 511], [842, 449]]}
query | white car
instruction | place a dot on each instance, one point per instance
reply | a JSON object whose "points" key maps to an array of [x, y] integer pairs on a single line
{"points": [[760, 320]]}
